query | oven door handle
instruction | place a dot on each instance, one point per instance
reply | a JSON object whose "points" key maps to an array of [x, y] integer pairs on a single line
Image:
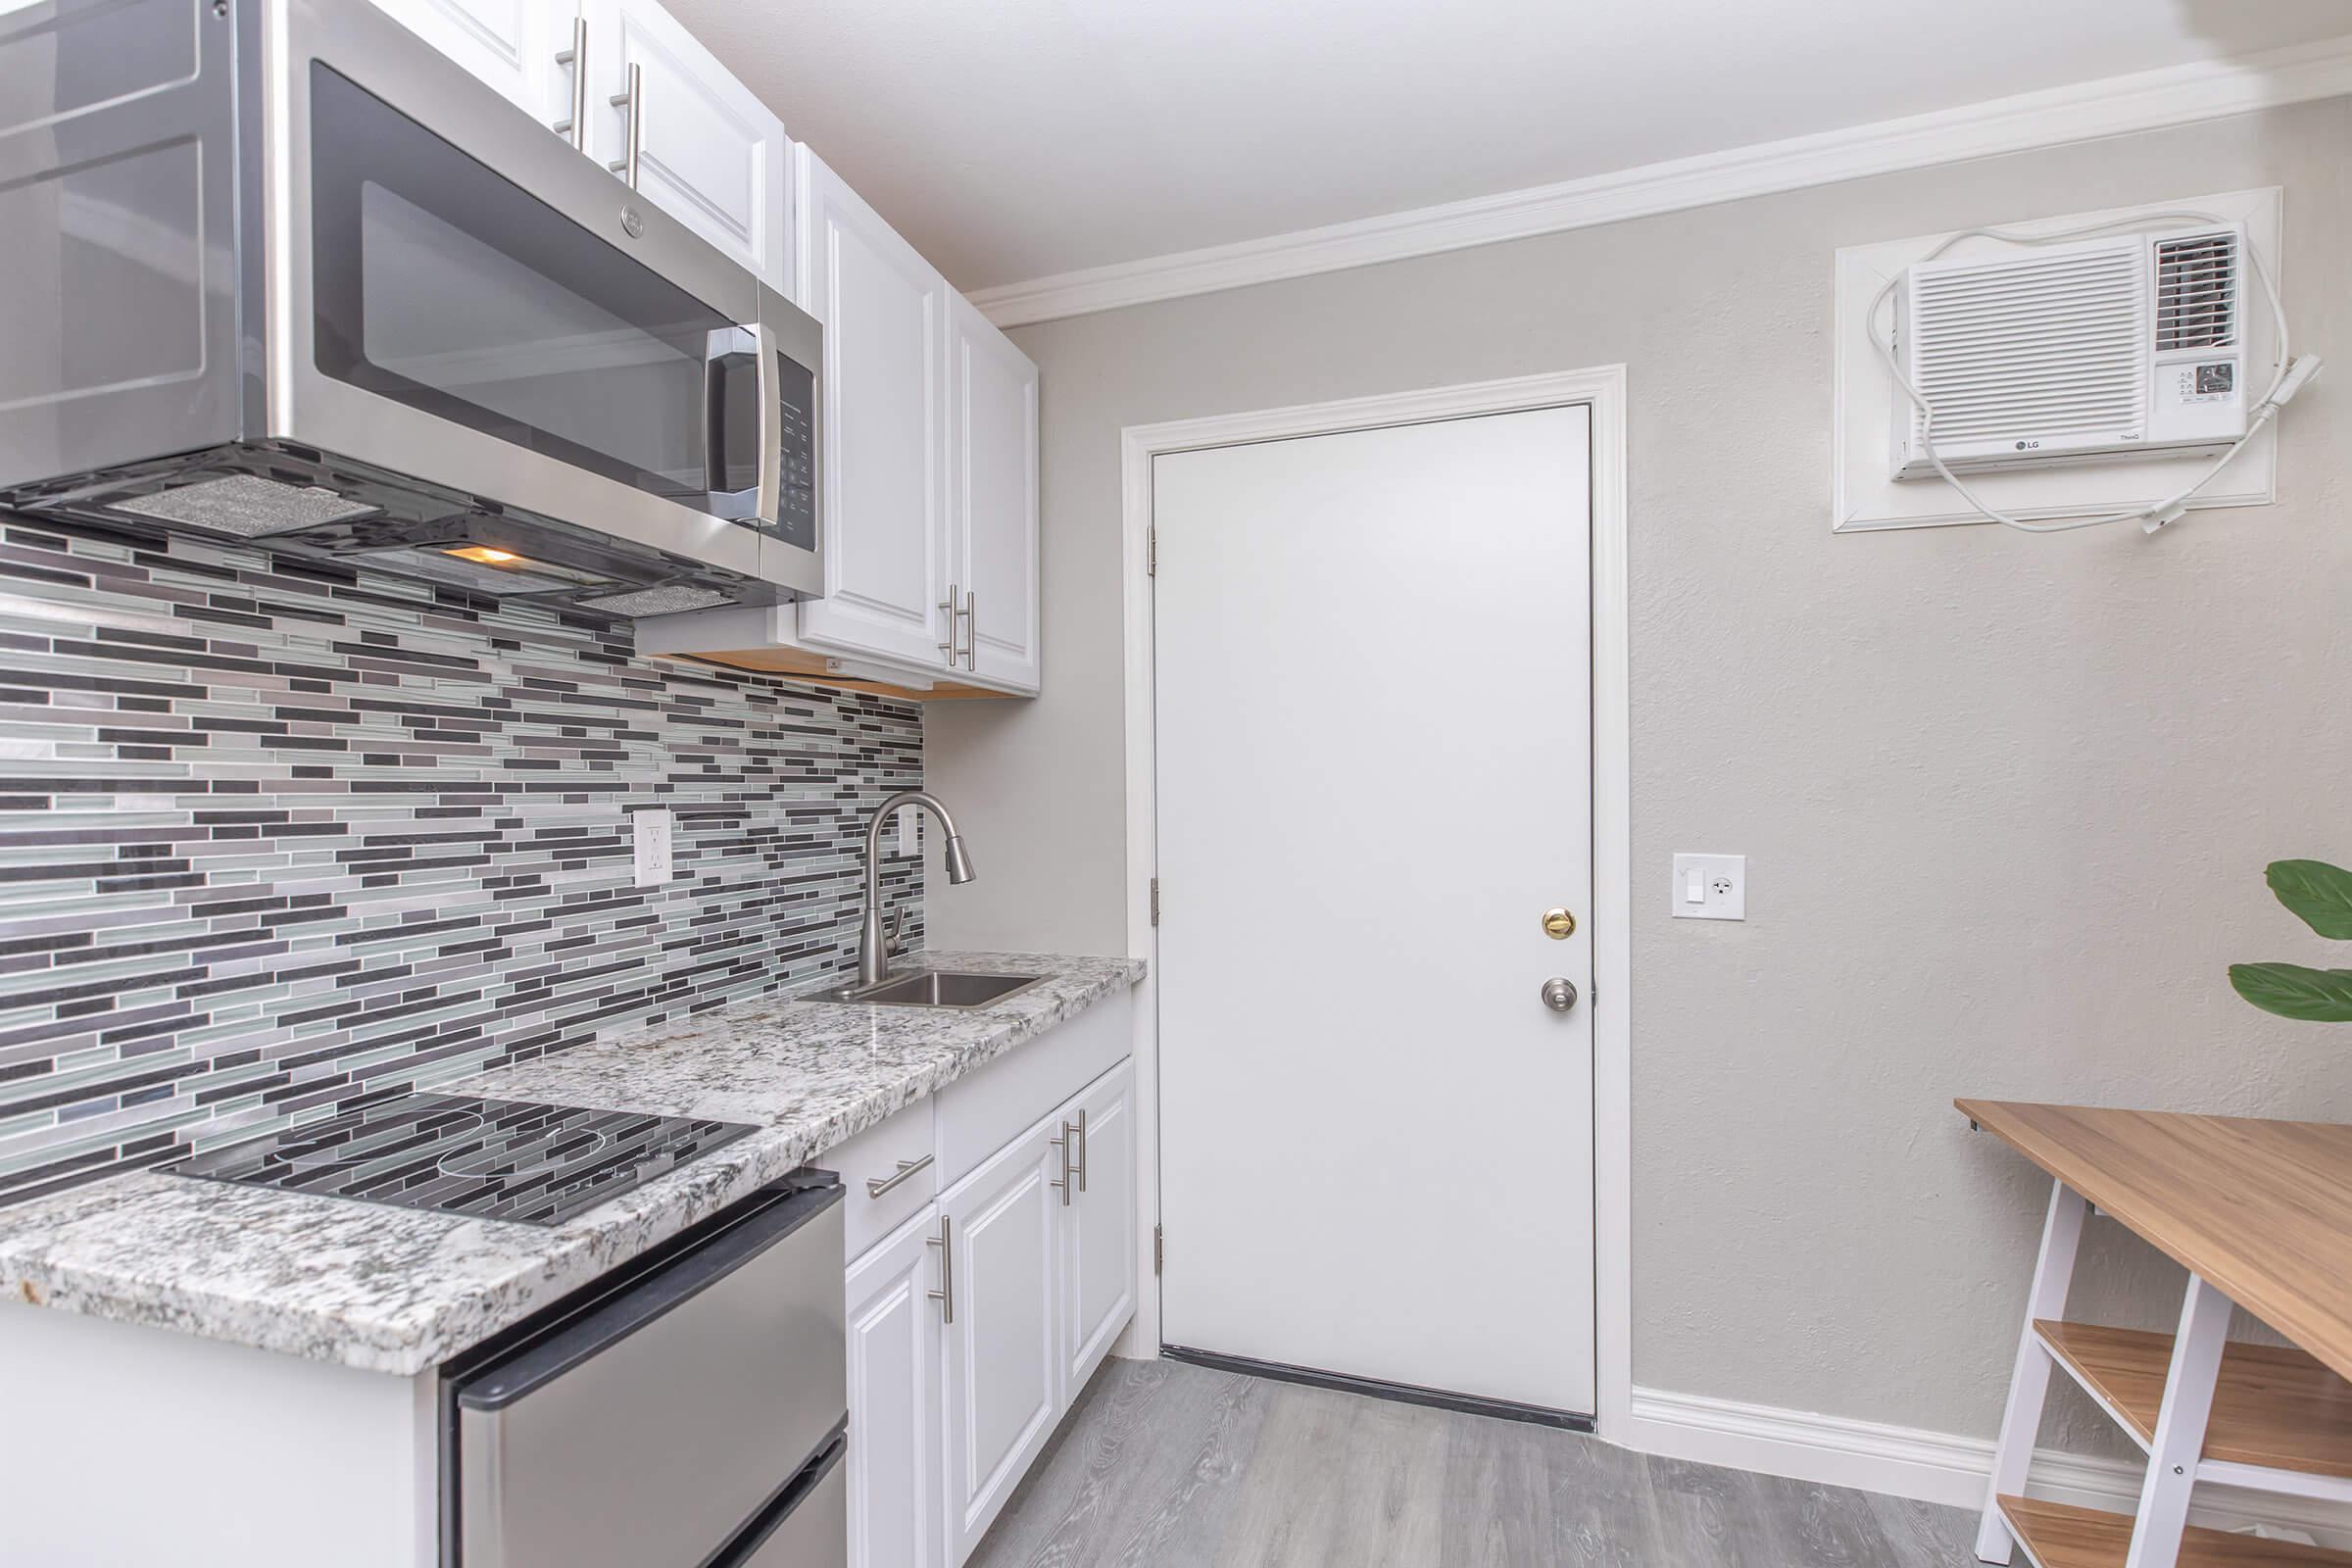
{"points": [[658, 1282], [795, 1520]]}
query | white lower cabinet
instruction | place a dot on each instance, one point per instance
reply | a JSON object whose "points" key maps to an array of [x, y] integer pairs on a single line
{"points": [[1099, 1256], [973, 1325], [894, 1364], [1003, 1390]]}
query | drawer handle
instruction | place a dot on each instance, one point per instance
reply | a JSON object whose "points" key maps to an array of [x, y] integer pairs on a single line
{"points": [[876, 1186]]}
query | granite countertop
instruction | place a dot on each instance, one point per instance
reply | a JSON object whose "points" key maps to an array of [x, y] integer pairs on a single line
{"points": [[397, 1290]]}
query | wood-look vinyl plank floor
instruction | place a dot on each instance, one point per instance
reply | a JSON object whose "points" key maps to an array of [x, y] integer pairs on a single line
{"points": [[1165, 1466]]}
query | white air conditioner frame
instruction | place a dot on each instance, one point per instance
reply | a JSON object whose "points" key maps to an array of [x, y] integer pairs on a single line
{"points": [[1865, 496]]}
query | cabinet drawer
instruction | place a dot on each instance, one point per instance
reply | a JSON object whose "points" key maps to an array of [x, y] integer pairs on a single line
{"points": [[984, 1111], [905, 1143]]}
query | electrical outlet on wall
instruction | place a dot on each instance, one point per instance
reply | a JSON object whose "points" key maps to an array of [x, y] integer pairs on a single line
{"points": [[1710, 887], [650, 831]]}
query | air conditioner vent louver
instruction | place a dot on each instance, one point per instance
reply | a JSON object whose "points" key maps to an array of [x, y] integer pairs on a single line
{"points": [[2196, 292], [2054, 346]]}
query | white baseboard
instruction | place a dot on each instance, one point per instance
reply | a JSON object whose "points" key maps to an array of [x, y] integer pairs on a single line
{"points": [[1931, 1466]]}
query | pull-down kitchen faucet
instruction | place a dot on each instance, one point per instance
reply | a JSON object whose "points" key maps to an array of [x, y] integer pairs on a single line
{"points": [[873, 948]]}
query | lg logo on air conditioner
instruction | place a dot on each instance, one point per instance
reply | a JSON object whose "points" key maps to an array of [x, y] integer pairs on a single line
{"points": [[2027, 446]]}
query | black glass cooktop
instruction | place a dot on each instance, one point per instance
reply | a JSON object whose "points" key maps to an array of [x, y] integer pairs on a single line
{"points": [[490, 1159]]}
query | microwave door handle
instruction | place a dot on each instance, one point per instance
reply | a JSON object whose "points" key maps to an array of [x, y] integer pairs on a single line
{"points": [[770, 501], [727, 343]]}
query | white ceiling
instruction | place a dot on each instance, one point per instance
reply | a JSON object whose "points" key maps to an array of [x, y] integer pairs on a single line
{"points": [[1012, 139]]}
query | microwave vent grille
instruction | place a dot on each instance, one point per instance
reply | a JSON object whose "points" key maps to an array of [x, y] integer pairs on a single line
{"points": [[666, 599], [246, 506]]}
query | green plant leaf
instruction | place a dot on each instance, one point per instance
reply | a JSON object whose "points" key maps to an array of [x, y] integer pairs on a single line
{"points": [[2320, 893], [2319, 996]]}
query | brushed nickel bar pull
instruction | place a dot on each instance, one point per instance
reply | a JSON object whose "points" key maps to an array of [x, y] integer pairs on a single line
{"points": [[947, 607], [634, 100], [575, 129], [876, 1186], [1064, 1144], [945, 1295], [1082, 1151]]}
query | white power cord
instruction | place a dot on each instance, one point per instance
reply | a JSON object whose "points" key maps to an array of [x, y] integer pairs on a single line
{"points": [[2291, 375]]}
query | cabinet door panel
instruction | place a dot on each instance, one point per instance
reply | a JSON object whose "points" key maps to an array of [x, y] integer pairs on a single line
{"points": [[712, 155], [1003, 1391], [1100, 1257], [993, 463], [885, 532], [894, 1362], [510, 44]]}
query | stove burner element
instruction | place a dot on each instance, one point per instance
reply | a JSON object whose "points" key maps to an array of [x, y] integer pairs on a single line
{"points": [[526, 1154], [453, 1155], [332, 1144]]}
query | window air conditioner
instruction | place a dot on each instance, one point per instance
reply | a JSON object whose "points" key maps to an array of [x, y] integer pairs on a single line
{"points": [[2110, 348]]}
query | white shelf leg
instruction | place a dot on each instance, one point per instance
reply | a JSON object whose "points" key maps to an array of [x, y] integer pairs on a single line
{"points": [[2030, 1384], [2181, 1427]]}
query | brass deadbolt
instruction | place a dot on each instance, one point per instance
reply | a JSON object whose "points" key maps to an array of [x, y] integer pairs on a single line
{"points": [[1558, 924]]}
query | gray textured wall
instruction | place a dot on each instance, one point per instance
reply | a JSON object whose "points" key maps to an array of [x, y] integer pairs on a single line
{"points": [[2006, 799]]}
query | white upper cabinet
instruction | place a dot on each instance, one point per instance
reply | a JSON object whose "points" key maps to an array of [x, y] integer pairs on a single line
{"points": [[992, 466], [883, 525], [510, 44], [709, 152]]}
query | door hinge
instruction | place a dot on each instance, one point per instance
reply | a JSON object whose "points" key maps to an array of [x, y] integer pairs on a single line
{"points": [[1151, 551], [1159, 1252], [1155, 900]]}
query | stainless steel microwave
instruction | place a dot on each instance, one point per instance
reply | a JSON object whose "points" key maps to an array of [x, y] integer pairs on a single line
{"points": [[277, 271]]}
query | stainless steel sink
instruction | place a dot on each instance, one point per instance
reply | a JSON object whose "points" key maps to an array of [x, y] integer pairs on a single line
{"points": [[937, 988]]}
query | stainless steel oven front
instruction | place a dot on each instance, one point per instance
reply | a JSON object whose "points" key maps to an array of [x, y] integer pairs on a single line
{"points": [[287, 239], [688, 1412]]}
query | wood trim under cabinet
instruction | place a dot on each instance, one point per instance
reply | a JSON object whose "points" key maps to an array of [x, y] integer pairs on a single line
{"points": [[800, 664]]}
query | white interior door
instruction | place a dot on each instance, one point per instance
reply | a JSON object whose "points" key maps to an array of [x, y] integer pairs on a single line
{"points": [[1373, 662]]}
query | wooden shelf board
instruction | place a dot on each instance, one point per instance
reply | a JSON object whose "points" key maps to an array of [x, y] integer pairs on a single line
{"points": [[2273, 1406], [2056, 1536], [2262, 1209]]}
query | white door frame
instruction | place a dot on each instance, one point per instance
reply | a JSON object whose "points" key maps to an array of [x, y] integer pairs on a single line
{"points": [[1603, 389]]}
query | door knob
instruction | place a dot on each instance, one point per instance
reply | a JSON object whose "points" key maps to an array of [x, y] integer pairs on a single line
{"points": [[1559, 995]]}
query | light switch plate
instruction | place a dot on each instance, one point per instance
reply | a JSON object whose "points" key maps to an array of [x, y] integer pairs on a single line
{"points": [[651, 831], [1710, 887], [910, 832]]}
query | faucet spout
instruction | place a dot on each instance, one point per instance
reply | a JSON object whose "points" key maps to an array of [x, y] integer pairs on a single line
{"points": [[874, 945]]}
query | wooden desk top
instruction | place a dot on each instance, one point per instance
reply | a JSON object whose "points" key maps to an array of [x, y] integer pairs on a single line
{"points": [[2262, 1209]]}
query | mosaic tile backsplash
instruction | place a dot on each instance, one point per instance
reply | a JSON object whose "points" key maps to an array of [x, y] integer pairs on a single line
{"points": [[276, 841]]}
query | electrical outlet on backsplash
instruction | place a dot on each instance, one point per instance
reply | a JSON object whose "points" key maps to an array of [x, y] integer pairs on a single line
{"points": [[275, 839]]}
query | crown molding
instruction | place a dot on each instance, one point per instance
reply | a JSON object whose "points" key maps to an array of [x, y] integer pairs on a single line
{"points": [[2112, 106]]}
